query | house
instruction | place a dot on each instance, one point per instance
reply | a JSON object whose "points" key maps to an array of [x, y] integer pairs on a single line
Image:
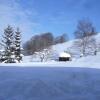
{"points": [[64, 56]]}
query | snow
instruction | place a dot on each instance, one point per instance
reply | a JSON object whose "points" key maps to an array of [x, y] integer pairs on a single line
{"points": [[64, 54], [28, 83], [63, 47], [91, 61], [78, 79], [97, 37], [83, 62]]}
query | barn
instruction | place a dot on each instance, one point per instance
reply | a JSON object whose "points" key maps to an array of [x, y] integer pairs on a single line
{"points": [[64, 56]]}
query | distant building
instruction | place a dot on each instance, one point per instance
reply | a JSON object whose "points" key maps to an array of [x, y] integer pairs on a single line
{"points": [[64, 56]]}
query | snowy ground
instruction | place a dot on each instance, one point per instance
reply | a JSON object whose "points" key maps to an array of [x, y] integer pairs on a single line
{"points": [[31, 83], [88, 62], [84, 62], [56, 64], [78, 79]]}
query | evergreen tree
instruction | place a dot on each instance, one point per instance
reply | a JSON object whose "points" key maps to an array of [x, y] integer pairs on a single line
{"points": [[8, 55], [18, 45]]}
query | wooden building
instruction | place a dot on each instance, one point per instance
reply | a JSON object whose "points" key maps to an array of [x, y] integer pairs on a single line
{"points": [[64, 56]]}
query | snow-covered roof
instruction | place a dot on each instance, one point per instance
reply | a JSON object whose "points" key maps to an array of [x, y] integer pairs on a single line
{"points": [[64, 54], [22, 49]]}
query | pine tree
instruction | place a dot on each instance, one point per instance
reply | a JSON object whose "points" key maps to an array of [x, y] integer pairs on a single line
{"points": [[18, 45], [8, 55]]}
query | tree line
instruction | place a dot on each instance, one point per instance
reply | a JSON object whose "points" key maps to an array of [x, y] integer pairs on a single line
{"points": [[42, 41], [85, 42]]}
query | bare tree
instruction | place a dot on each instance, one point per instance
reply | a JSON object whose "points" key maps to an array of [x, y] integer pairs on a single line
{"points": [[84, 34], [61, 39], [45, 54], [38, 43]]}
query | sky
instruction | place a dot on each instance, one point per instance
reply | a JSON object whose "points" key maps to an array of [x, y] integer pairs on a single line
{"points": [[55, 16]]}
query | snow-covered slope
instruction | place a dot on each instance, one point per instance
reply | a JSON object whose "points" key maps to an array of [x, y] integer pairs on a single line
{"points": [[97, 37], [89, 61], [63, 47]]}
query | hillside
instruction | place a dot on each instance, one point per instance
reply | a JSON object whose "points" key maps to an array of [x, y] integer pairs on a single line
{"points": [[64, 46], [76, 61]]}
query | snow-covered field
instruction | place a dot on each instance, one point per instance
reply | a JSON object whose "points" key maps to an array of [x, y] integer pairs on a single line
{"points": [[88, 62], [31, 83], [64, 46], [78, 79], [82, 64]]}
